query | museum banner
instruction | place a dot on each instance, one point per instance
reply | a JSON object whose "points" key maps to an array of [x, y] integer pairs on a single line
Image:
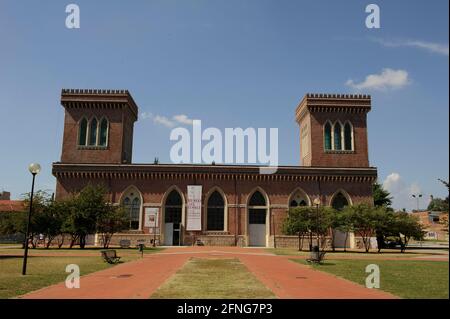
{"points": [[151, 218], [194, 207]]}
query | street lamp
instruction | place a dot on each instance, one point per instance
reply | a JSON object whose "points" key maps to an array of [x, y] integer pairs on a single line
{"points": [[417, 197], [317, 203], [34, 169]]}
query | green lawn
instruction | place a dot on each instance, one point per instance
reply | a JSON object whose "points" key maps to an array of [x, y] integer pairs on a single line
{"points": [[404, 278], [43, 271], [203, 278], [389, 253]]}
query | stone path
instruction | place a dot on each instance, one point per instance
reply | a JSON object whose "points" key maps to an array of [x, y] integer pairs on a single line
{"points": [[139, 279]]}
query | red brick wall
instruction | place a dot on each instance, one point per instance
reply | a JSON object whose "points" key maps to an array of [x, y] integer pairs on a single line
{"points": [[120, 138]]}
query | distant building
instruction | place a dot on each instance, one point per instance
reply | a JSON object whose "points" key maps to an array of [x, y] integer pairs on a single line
{"points": [[432, 221], [5, 195]]}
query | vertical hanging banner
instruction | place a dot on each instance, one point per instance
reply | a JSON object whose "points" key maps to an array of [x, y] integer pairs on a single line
{"points": [[151, 217], [194, 207]]}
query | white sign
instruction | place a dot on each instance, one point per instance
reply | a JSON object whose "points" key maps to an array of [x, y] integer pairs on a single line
{"points": [[194, 207], [151, 217]]}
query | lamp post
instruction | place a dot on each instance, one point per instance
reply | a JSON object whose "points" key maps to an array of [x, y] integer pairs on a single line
{"points": [[34, 169], [417, 197], [317, 203]]}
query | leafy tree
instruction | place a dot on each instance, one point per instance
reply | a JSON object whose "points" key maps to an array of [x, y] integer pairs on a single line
{"points": [[438, 205], [381, 197], [406, 226], [113, 220], [298, 222], [307, 220], [41, 200], [86, 207], [364, 220]]}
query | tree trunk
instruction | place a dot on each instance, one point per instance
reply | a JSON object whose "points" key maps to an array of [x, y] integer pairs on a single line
{"points": [[333, 246], [299, 242], [345, 241], [82, 241]]}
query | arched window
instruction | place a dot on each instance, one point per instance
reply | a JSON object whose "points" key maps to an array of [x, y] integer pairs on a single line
{"points": [[327, 136], [215, 215], [103, 140], [93, 132], [298, 199], [337, 136], [257, 210], [173, 207], [132, 206], [257, 199], [348, 136], [82, 132], [339, 201]]}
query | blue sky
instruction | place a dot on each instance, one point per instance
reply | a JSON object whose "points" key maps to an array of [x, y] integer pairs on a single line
{"points": [[230, 64]]}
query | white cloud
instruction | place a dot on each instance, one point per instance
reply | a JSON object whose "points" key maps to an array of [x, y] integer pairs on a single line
{"points": [[180, 119], [387, 79], [433, 47], [402, 193]]}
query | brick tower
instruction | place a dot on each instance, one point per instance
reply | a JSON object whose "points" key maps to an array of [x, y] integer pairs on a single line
{"points": [[333, 130], [98, 126]]}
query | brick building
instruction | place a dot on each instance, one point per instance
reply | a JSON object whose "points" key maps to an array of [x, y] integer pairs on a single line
{"points": [[239, 206]]}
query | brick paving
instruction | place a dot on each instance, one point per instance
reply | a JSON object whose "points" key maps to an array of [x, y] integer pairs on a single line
{"points": [[140, 278]]}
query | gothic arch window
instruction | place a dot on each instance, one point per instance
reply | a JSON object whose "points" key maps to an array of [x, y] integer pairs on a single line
{"points": [[339, 201], [327, 136], [257, 208], [82, 132], [337, 136], [299, 198], [173, 207], [348, 136], [132, 204], [215, 215], [93, 126], [103, 138]]}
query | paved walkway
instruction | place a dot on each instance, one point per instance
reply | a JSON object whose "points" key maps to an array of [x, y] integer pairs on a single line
{"points": [[139, 279]]}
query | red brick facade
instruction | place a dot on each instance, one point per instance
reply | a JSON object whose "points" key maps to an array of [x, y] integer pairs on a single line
{"points": [[323, 176]]}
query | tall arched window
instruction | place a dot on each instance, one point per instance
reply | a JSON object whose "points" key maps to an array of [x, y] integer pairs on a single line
{"points": [[339, 201], [132, 204], [93, 132], [173, 206], [82, 132], [257, 210], [215, 215], [337, 136], [327, 136], [132, 208], [348, 136], [103, 132]]}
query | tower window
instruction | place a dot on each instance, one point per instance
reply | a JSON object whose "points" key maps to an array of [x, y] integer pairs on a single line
{"points": [[348, 137], [327, 137], [103, 132], [82, 133], [93, 132], [337, 136]]}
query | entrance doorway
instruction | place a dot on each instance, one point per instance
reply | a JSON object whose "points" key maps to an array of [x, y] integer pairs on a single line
{"points": [[257, 219], [172, 219]]}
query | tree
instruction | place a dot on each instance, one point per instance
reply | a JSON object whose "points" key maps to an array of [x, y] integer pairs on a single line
{"points": [[114, 219], [41, 200], [381, 197], [364, 221], [438, 205], [86, 207], [307, 220], [298, 222], [404, 227]]}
